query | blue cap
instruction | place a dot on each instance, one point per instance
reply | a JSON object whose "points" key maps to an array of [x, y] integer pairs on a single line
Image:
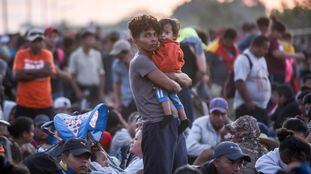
{"points": [[218, 104], [230, 150]]}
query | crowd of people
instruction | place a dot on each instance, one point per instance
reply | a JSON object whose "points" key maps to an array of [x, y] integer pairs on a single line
{"points": [[180, 100]]}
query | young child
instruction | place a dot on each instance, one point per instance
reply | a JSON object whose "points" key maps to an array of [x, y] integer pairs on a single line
{"points": [[169, 59]]}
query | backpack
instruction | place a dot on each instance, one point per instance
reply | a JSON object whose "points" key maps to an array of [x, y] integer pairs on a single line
{"points": [[229, 87]]}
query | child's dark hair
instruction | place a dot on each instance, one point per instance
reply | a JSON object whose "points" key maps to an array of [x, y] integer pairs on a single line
{"points": [[20, 125], [287, 35], [296, 125], [173, 22], [292, 146], [142, 23]]}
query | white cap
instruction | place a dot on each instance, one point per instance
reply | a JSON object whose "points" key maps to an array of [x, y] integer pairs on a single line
{"points": [[62, 102], [119, 46], [34, 34]]}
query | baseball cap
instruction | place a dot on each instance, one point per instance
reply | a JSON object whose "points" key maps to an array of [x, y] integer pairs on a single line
{"points": [[34, 34], [119, 46], [50, 30], [40, 119], [62, 102], [218, 104], [230, 150], [76, 146]]}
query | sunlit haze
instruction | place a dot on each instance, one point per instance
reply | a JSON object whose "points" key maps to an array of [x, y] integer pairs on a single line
{"points": [[81, 12]]}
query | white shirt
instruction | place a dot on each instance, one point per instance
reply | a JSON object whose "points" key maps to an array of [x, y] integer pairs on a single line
{"points": [[270, 163], [136, 165], [86, 67], [201, 136], [256, 79]]}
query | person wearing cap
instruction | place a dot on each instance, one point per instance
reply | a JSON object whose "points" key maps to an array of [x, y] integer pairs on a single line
{"points": [[227, 158], [33, 68], [52, 36], [251, 77], [124, 102], [62, 105], [75, 157], [41, 138], [86, 67], [206, 131]]}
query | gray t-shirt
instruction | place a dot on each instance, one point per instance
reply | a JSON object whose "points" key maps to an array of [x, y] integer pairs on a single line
{"points": [[142, 88]]}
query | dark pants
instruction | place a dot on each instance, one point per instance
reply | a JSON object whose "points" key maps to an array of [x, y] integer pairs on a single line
{"points": [[163, 148], [260, 114], [33, 112], [185, 98], [127, 110], [92, 94]]}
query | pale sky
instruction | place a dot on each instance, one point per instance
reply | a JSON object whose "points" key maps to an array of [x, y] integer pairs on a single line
{"points": [[81, 12]]}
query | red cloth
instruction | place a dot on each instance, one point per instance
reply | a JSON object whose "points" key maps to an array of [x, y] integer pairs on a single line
{"points": [[168, 57], [222, 52], [106, 140]]}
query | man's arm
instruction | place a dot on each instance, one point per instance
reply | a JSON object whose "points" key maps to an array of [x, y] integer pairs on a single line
{"points": [[283, 55], [31, 74], [117, 95], [163, 81]]}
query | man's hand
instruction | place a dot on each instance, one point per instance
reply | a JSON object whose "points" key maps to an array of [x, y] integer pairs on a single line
{"points": [[177, 87]]}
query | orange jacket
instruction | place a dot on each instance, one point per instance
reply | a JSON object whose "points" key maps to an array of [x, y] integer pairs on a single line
{"points": [[168, 57]]}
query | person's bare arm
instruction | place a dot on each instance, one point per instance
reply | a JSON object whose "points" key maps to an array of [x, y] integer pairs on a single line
{"points": [[204, 156], [63, 74], [183, 79], [283, 55], [31, 74], [201, 64], [117, 95], [163, 81]]}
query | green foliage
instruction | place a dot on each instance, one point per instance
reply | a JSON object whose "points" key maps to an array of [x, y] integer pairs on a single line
{"points": [[295, 18]]}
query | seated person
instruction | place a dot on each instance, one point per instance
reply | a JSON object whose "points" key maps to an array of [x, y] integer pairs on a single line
{"points": [[75, 157], [227, 158], [292, 150], [42, 139]]}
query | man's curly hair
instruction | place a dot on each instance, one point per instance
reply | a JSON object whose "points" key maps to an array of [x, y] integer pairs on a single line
{"points": [[142, 23]]}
